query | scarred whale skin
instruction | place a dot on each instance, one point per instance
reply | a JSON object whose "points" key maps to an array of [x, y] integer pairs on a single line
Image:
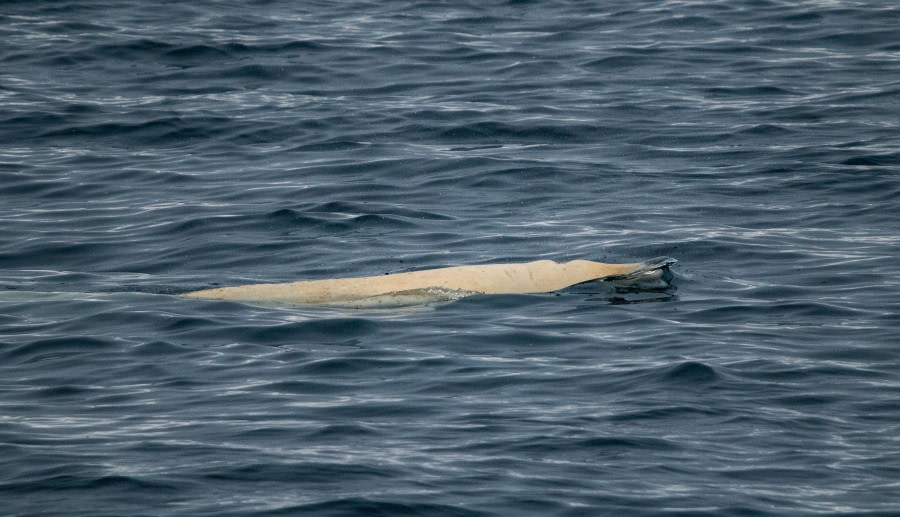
{"points": [[539, 276]]}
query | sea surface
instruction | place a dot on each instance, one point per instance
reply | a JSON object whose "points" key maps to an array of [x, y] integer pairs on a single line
{"points": [[152, 148]]}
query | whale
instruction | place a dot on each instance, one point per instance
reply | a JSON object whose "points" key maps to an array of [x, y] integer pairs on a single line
{"points": [[447, 283]]}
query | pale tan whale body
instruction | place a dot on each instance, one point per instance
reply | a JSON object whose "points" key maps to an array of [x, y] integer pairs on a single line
{"points": [[540, 276]]}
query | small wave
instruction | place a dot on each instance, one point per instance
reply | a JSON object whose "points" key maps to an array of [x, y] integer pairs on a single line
{"points": [[365, 506], [875, 160], [692, 372], [493, 131]]}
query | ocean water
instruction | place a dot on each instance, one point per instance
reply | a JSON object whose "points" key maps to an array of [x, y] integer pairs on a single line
{"points": [[152, 149]]}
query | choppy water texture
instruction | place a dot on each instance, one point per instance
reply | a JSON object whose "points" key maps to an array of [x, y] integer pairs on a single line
{"points": [[148, 150]]}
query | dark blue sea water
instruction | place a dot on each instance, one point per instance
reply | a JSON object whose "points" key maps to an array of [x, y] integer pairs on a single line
{"points": [[148, 149]]}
